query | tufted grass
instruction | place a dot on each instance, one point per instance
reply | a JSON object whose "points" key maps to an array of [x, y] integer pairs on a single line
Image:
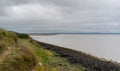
{"points": [[18, 52]]}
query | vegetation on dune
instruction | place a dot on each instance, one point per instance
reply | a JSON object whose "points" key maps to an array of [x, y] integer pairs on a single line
{"points": [[18, 52]]}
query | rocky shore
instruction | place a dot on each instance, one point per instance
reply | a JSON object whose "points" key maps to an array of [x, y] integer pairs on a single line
{"points": [[76, 57]]}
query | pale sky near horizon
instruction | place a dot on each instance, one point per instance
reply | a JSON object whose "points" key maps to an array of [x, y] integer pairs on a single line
{"points": [[49, 16]]}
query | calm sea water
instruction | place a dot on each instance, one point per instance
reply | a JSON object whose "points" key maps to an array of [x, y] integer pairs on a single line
{"points": [[103, 46]]}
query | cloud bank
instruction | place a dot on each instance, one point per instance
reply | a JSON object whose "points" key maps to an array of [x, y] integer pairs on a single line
{"points": [[50, 16]]}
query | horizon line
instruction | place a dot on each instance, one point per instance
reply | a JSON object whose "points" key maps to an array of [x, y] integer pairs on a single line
{"points": [[68, 33]]}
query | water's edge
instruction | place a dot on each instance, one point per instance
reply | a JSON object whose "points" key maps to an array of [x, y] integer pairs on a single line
{"points": [[77, 57], [102, 46]]}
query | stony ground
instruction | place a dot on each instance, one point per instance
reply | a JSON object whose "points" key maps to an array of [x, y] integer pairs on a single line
{"points": [[90, 62]]}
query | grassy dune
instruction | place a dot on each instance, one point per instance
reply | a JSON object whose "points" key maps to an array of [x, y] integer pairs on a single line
{"points": [[18, 52]]}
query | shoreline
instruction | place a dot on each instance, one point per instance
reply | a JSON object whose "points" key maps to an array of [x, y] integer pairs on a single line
{"points": [[102, 46], [81, 58]]}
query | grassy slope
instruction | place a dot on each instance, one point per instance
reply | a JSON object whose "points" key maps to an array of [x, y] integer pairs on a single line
{"points": [[18, 52]]}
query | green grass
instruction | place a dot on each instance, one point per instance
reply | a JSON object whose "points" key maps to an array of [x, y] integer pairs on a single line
{"points": [[19, 52]]}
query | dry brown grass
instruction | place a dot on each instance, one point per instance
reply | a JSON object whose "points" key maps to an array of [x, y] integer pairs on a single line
{"points": [[20, 53]]}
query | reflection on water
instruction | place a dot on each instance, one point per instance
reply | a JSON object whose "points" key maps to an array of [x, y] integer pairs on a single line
{"points": [[104, 46]]}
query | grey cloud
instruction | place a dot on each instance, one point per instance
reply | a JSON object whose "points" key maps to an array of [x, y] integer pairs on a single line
{"points": [[13, 2], [2, 13], [76, 16]]}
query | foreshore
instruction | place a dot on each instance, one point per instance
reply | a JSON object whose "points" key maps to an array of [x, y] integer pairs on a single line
{"points": [[41, 34], [76, 57]]}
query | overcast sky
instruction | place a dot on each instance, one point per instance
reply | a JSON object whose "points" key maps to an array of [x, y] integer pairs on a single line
{"points": [[46, 16]]}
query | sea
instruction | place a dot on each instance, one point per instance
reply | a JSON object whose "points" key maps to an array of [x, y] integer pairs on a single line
{"points": [[105, 46]]}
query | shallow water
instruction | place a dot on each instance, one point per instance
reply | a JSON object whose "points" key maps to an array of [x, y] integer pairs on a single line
{"points": [[103, 46]]}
